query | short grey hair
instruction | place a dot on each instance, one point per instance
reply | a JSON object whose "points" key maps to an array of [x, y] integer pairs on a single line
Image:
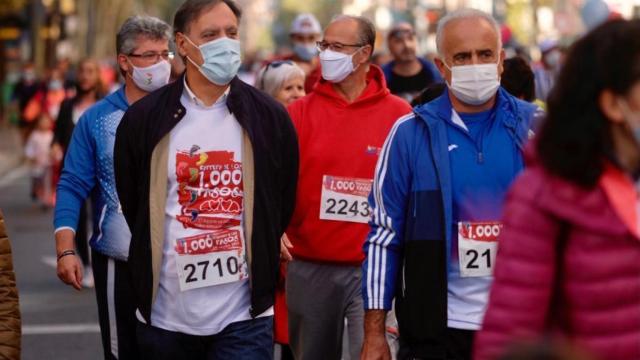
{"points": [[136, 26], [271, 78], [366, 29], [462, 14]]}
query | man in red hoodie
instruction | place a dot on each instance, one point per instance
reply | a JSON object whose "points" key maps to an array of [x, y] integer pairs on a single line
{"points": [[341, 128]]}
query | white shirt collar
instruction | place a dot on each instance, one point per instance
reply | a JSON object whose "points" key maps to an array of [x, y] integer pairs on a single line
{"points": [[193, 99]]}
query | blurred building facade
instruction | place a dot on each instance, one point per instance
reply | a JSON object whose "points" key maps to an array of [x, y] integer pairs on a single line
{"points": [[44, 31]]}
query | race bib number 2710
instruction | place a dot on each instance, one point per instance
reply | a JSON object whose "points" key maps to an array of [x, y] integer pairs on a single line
{"points": [[345, 199], [210, 259]]}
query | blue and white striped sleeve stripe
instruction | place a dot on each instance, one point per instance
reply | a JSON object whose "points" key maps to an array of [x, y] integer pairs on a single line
{"points": [[381, 262]]}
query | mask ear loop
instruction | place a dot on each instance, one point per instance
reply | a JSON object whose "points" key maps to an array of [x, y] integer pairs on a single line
{"points": [[197, 47], [448, 68], [133, 67], [354, 54]]}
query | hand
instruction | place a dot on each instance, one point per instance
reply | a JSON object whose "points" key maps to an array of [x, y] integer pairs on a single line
{"points": [[70, 271], [285, 245], [56, 152], [375, 347]]}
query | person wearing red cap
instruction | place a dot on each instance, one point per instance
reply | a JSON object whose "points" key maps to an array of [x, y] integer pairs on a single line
{"points": [[305, 32]]}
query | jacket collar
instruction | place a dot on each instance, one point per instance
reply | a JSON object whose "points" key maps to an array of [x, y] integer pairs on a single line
{"points": [[441, 108], [622, 196], [175, 111], [118, 99], [193, 98]]}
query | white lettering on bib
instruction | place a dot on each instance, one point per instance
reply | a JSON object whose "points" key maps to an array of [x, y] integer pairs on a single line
{"points": [[345, 199], [477, 247], [210, 259]]}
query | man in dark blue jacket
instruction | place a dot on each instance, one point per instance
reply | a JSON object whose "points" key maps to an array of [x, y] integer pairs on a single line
{"points": [[407, 75], [437, 197], [206, 171]]}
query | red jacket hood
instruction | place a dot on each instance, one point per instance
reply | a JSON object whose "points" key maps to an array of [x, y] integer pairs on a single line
{"points": [[375, 90]]}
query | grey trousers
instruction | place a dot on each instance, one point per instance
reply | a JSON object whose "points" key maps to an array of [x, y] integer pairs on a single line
{"points": [[319, 298]]}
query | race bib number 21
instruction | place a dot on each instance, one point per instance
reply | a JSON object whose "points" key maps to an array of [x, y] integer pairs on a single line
{"points": [[477, 247]]}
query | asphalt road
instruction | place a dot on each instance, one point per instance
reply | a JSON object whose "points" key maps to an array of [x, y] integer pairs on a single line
{"points": [[58, 322]]}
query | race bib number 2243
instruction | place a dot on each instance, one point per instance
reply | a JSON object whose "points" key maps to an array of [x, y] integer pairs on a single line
{"points": [[345, 199]]}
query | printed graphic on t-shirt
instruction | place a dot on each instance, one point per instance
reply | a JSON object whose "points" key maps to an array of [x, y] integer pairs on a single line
{"points": [[210, 259], [210, 189]]}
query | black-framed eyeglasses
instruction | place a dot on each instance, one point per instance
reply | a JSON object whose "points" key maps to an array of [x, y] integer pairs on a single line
{"points": [[152, 56], [336, 46], [273, 65]]}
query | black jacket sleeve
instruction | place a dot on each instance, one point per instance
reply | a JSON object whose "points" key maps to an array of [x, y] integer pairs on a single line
{"points": [[126, 155], [289, 153]]}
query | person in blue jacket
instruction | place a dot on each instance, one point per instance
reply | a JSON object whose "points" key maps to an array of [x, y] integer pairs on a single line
{"points": [[142, 45], [407, 75], [437, 199]]}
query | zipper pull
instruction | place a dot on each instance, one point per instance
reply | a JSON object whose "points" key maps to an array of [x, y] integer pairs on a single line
{"points": [[480, 157]]}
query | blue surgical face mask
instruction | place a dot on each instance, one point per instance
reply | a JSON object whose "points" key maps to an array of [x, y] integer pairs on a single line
{"points": [[305, 51], [221, 60]]}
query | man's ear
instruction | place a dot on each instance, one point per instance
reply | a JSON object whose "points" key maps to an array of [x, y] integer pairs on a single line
{"points": [[180, 44], [501, 62], [367, 52], [123, 63], [441, 67]]}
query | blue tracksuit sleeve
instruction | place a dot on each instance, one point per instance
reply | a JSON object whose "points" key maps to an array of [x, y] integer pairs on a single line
{"points": [[78, 176], [388, 199]]}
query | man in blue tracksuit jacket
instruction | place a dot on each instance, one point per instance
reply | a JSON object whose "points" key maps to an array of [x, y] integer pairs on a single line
{"points": [[437, 198], [143, 50]]}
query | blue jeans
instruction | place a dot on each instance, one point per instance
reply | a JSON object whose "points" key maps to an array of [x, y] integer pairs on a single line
{"points": [[250, 339]]}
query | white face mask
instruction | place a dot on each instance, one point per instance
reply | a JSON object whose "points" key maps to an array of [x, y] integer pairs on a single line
{"points": [[336, 66], [474, 84], [152, 77]]}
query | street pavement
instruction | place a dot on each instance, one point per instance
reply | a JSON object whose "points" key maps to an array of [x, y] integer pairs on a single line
{"points": [[58, 322], [10, 148]]}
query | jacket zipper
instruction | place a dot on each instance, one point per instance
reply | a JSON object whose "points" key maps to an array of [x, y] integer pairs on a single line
{"points": [[404, 269]]}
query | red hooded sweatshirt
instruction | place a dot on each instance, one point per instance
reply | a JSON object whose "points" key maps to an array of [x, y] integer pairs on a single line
{"points": [[339, 146]]}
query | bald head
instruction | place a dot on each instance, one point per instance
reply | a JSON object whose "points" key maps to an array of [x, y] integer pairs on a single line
{"points": [[465, 20], [361, 27]]}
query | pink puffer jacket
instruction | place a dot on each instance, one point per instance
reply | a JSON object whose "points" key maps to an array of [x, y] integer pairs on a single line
{"points": [[568, 265]]}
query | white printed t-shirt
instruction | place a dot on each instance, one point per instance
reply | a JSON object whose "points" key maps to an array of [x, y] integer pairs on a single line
{"points": [[204, 283]]}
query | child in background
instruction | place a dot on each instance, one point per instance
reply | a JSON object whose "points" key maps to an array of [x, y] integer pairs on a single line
{"points": [[38, 153]]}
